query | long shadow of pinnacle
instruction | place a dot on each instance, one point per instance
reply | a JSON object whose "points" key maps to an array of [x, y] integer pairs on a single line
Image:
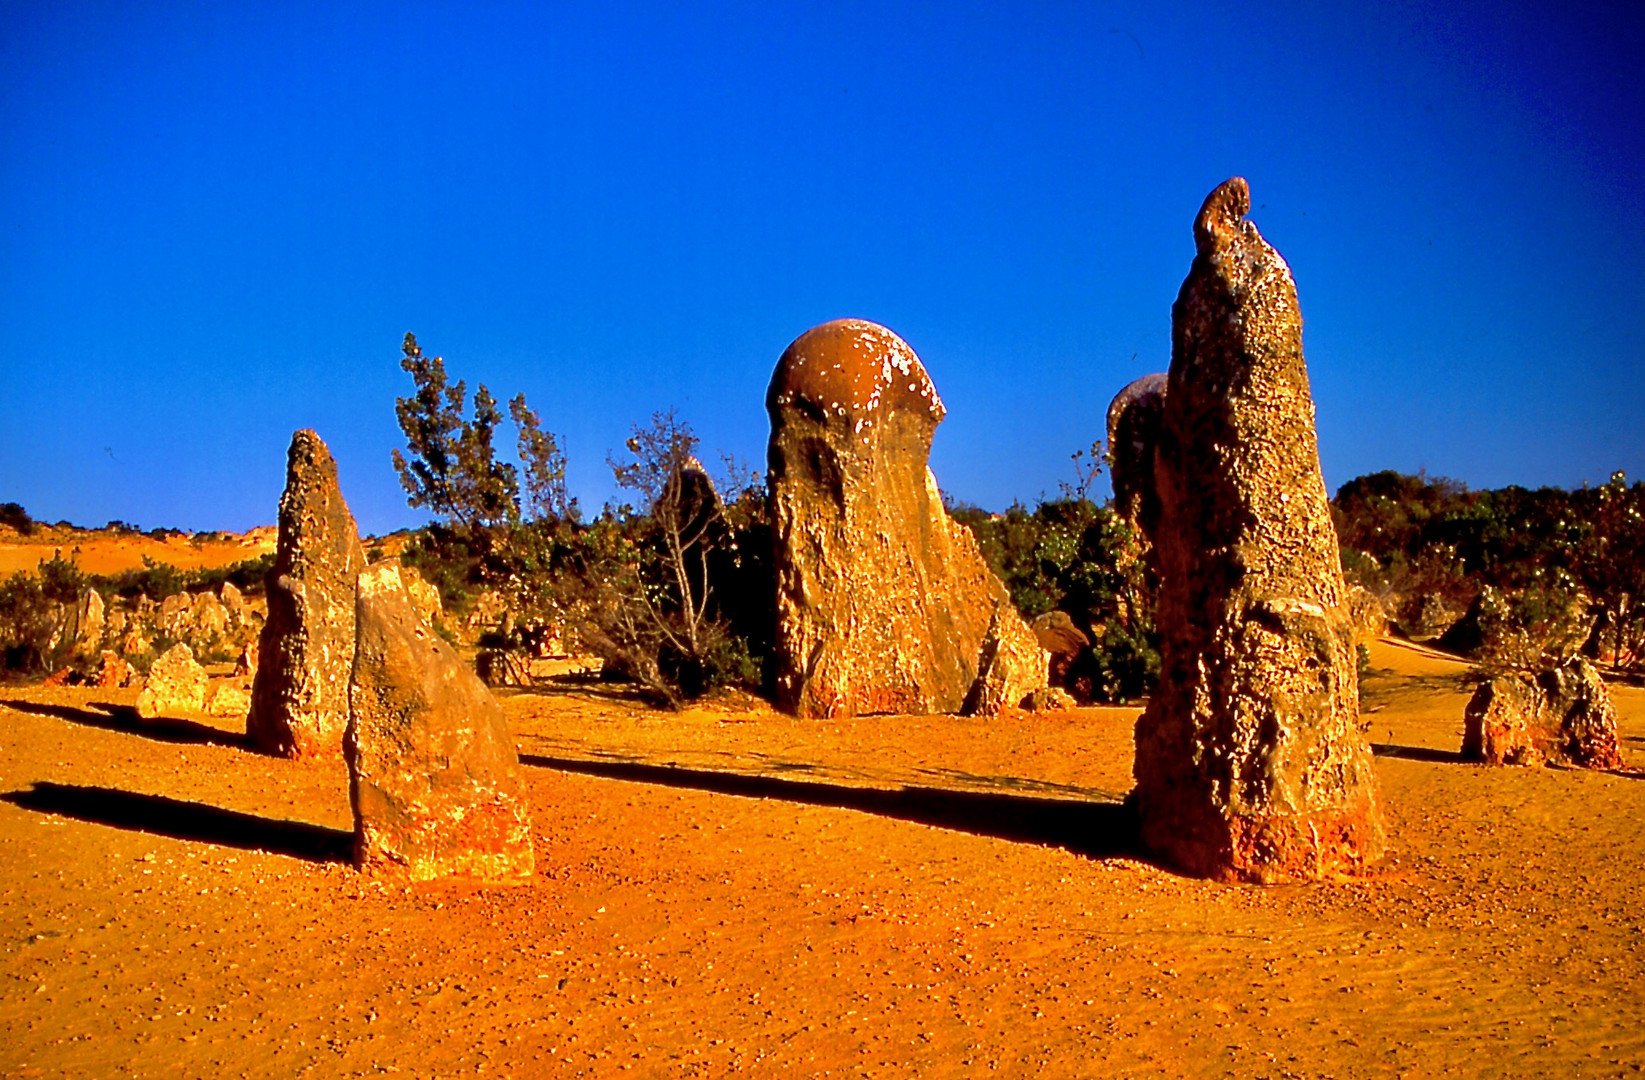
{"points": [[1417, 753], [186, 821], [124, 719], [1094, 829]]}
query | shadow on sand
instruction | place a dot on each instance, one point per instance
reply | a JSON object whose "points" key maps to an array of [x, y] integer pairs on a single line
{"points": [[1094, 829], [124, 719], [1418, 753], [186, 821]]}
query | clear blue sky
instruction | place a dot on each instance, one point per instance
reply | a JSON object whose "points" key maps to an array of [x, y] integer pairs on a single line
{"points": [[220, 219]]}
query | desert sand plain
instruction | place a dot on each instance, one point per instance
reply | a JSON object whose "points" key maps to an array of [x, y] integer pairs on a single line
{"points": [[731, 890], [101, 551]]}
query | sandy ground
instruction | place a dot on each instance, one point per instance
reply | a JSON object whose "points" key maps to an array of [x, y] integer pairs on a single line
{"points": [[101, 552], [733, 891]]}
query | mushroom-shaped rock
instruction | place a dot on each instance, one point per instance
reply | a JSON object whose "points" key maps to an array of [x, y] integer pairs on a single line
{"points": [[299, 694], [1250, 764], [433, 776], [884, 605]]}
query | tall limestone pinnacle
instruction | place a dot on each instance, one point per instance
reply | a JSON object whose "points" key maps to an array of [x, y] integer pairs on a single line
{"points": [[434, 780], [299, 696], [884, 605], [1251, 764]]}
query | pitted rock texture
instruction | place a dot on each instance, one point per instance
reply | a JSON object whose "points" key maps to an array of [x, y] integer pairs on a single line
{"points": [[112, 671], [1562, 714], [175, 684], [1251, 765], [1133, 433], [884, 605], [433, 776], [1063, 640], [299, 696]]}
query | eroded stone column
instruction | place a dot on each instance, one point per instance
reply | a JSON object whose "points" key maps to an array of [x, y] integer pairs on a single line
{"points": [[884, 605], [1251, 764], [299, 695], [433, 776]]}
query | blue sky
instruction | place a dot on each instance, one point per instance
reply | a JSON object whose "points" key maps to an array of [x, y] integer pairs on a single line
{"points": [[217, 221]]}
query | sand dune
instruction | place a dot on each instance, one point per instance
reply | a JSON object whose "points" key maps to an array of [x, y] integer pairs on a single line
{"points": [[733, 890]]}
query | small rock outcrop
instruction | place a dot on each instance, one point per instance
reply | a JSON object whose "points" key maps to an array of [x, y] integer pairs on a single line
{"points": [[884, 605], [1562, 714], [112, 671], [228, 697], [1133, 433], [299, 696], [1059, 636], [175, 684], [433, 776], [1251, 765]]}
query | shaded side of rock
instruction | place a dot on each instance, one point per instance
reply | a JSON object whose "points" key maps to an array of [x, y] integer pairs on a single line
{"points": [[433, 775], [1251, 765], [1133, 434], [299, 698], [175, 684], [884, 605], [1063, 640]]}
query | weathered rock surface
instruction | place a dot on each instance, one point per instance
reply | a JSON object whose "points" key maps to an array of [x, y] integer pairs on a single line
{"points": [[1251, 765], [1063, 640], [1562, 714], [433, 776], [112, 671], [299, 697], [425, 598], [884, 605], [228, 697], [90, 622], [175, 684], [1133, 433]]}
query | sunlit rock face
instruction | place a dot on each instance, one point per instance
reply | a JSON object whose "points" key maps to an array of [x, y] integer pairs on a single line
{"points": [[176, 684], [433, 776], [1251, 764], [299, 696], [884, 605], [1562, 714]]}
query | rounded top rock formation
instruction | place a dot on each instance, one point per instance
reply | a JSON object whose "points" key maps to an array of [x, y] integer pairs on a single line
{"points": [[854, 370], [1222, 216]]}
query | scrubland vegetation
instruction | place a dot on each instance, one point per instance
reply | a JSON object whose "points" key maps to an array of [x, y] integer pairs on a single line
{"points": [[672, 587]]}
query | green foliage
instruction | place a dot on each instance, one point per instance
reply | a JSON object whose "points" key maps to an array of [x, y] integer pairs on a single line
{"points": [[33, 614], [1073, 555], [1549, 552], [14, 515], [654, 615], [544, 462], [452, 468]]}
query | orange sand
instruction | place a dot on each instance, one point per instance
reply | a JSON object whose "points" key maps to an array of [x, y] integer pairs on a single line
{"points": [[100, 552], [730, 890]]}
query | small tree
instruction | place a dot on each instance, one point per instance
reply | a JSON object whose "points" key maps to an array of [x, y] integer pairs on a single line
{"points": [[452, 468], [648, 573]]}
